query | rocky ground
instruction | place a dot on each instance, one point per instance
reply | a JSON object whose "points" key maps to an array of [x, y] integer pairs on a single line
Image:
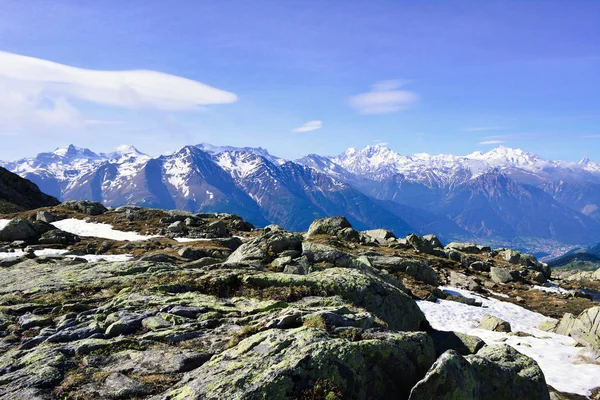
{"points": [[244, 313]]}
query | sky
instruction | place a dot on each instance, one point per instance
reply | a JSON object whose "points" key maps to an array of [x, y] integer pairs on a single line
{"points": [[301, 76]]}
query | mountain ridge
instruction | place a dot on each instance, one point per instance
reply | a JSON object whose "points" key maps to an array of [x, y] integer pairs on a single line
{"points": [[375, 186]]}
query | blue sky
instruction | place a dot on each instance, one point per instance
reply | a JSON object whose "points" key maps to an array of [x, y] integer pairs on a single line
{"points": [[435, 76]]}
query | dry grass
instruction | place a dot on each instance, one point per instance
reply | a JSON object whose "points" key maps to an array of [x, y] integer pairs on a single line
{"points": [[315, 321]]}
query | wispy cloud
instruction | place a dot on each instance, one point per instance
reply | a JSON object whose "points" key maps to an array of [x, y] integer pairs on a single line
{"points": [[39, 94], [381, 143], [309, 126], [384, 97], [487, 142], [103, 122], [484, 128]]}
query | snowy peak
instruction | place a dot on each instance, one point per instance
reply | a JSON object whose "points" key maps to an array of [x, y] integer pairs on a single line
{"points": [[507, 156], [71, 152]]}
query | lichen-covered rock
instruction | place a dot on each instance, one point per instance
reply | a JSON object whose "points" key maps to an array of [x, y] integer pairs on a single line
{"points": [[380, 235], [461, 343], [379, 294], [327, 226], [507, 374], [500, 275], [450, 378], [585, 328], [491, 323], [281, 364], [420, 244], [85, 207], [265, 248], [19, 229]]}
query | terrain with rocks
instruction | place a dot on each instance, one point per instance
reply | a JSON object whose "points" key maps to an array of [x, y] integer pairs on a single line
{"points": [[206, 306]]}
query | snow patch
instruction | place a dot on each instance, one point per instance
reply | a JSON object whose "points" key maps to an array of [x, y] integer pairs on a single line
{"points": [[3, 223], [105, 231], [551, 351]]}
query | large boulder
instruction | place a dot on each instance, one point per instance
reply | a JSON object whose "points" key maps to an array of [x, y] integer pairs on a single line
{"points": [[85, 207], [505, 373], [19, 229], [491, 323], [284, 364], [264, 249], [328, 226], [379, 235], [420, 243], [450, 378], [470, 248], [57, 236], [500, 275], [585, 328]]}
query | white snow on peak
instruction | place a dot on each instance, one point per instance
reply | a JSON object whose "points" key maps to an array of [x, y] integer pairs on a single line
{"points": [[239, 164], [378, 162]]}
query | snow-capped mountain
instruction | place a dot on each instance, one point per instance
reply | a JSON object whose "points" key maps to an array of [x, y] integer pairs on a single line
{"points": [[502, 194]]}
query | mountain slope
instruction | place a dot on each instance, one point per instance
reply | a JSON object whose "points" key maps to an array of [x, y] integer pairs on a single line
{"points": [[18, 194]]}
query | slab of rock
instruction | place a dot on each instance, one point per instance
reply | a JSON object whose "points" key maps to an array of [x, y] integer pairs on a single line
{"points": [[507, 374], [491, 323], [19, 229], [500, 275], [379, 235], [450, 378], [420, 244], [85, 207], [327, 226]]}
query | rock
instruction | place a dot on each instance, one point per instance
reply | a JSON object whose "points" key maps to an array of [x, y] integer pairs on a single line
{"points": [[585, 328], [265, 248], [479, 266], [462, 343], [435, 242], [451, 377], [511, 256], [158, 257], [463, 281], [327, 226], [491, 323], [45, 216], [302, 357], [273, 228], [127, 322], [218, 228], [85, 207], [507, 374], [500, 275], [30, 320], [348, 235], [422, 272], [281, 262], [119, 386], [420, 244], [380, 235], [57, 236], [177, 227], [539, 277], [470, 248], [19, 229], [149, 362]]}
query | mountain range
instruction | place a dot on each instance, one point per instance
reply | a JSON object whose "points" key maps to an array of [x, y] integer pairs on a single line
{"points": [[505, 196]]}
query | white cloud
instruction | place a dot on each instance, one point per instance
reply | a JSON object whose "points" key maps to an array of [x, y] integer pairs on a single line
{"points": [[37, 94], [491, 142], [309, 126], [385, 97]]}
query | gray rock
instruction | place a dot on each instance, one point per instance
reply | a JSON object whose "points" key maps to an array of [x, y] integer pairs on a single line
{"points": [[19, 229], [435, 242], [585, 328], [507, 374], [380, 235], [491, 323], [500, 275], [304, 355], [328, 226], [348, 235], [218, 228], [462, 343], [177, 227], [470, 248], [420, 244], [451, 377], [30, 320], [85, 207], [57, 236], [119, 386], [45, 216]]}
